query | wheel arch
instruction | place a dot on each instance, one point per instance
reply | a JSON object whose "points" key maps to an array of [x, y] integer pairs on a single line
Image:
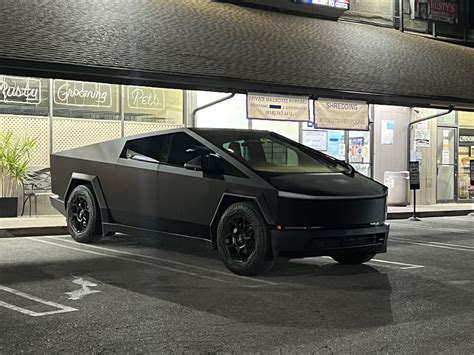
{"points": [[93, 181], [228, 199]]}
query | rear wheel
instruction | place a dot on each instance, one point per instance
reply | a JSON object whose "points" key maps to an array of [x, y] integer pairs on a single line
{"points": [[352, 259], [83, 220], [242, 239]]}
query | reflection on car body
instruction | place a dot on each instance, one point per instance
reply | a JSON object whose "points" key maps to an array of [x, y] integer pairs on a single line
{"points": [[253, 194]]}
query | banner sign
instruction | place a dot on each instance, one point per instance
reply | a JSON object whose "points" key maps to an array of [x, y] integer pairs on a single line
{"points": [[20, 90], [471, 171], [466, 137], [341, 4], [281, 108], [414, 175], [145, 98], [437, 10], [337, 114], [82, 94]]}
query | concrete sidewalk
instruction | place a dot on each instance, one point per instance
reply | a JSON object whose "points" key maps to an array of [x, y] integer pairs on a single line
{"points": [[56, 224]]}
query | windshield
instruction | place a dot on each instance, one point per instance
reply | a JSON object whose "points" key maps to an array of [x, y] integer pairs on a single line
{"points": [[270, 153]]}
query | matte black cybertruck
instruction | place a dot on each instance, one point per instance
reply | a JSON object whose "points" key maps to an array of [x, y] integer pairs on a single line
{"points": [[253, 194]]}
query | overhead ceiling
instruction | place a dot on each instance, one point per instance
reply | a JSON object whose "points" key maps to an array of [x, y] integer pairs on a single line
{"points": [[201, 44]]}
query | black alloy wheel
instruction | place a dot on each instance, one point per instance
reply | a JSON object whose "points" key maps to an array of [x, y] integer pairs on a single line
{"points": [[242, 239], [83, 221]]}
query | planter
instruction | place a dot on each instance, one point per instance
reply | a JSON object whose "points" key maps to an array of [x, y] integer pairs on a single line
{"points": [[8, 207]]}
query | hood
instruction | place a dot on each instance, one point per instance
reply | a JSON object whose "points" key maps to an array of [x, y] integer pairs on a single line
{"points": [[332, 184]]}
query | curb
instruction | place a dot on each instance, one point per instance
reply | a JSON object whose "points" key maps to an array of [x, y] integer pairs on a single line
{"points": [[33, 231], [425, 214]]}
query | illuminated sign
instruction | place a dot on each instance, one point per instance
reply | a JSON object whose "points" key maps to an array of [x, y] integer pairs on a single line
{"points": [[20, 90], [139, 97], [341, 4], [437, 10], [82, 94]]}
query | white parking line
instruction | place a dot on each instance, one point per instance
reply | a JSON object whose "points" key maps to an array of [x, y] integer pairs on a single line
{"points": [[60, 308], [386, 263], [434, 244], [268, 283], [439, 229], [167, 261]]}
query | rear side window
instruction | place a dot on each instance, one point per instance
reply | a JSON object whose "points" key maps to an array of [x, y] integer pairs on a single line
{"points": [[183, 149], [149, 149]]}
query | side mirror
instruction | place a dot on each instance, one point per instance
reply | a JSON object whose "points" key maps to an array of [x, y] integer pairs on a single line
{"points": [[194, 164]]}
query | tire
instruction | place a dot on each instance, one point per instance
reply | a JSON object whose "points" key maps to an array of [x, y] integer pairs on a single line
{"points": [[83, 221], [242, 240], [353, 259]]}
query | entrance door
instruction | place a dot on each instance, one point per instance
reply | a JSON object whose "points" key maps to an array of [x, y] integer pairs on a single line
{"points": [[446, 165]]}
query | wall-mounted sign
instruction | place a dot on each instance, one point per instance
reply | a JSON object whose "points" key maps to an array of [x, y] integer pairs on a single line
{"points": [[281, 108], [316, 139], [422, 137], [145, 98], [340, 4], [437, 10], [388, 127], [466, 137], [82, 94], [20, 90], [337, 114]]}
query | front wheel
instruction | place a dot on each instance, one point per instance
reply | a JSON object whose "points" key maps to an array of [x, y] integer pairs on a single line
{"points": [[242, 239], [352, 259], [83, 220]]}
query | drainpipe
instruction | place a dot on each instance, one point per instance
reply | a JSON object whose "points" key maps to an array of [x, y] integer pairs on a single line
{"points": [[400, 12], [195, 111], [410, 126]]}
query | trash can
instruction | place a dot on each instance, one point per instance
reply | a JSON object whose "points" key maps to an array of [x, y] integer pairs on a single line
{"points": [[398, 183]]}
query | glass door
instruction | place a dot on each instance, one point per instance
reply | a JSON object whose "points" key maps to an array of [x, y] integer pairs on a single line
{"points": [[446, 165], [359, 151]]}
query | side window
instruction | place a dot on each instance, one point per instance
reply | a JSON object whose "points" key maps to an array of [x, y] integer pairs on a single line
{"points": [[149, 149], [183, 148]]}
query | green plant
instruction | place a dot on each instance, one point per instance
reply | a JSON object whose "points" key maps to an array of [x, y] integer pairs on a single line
{"points": [[14, 159]]}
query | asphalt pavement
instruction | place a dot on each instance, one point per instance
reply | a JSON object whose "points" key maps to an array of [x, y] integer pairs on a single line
{"points": [[132, 294]]}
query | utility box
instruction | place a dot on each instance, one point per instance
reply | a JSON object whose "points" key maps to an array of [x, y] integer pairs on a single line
{"points": [[398, 184]]}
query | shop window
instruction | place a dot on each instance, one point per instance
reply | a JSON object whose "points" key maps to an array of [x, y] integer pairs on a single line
{"points": [[24, 96], [156, 105], [81, 99]]}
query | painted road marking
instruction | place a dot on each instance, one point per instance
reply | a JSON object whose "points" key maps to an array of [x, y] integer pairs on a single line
{"points": [[434, 244], [60, 308], [154, 265], [439, 229], [166, 260], [85, 289], [386, 263]]}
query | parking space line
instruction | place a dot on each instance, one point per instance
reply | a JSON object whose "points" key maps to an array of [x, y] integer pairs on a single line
{"points": [[263, 282], [167, 261], [439, 229], [60, 308], [386, 263], [434, 244]]}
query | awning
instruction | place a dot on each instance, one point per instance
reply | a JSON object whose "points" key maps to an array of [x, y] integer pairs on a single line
{"points": [[201, 44]]}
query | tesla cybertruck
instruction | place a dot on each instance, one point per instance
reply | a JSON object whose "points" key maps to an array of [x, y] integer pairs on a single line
{"points": [[253, 194]]}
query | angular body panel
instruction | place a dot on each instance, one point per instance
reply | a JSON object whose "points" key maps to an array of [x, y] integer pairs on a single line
{"points": [[182, 181]]}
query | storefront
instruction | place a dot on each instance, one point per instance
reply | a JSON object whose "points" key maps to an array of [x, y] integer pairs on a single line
{"points": [[466, 158]]}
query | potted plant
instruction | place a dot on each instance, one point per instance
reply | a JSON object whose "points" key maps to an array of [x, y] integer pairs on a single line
{"points": [[14, 159]]}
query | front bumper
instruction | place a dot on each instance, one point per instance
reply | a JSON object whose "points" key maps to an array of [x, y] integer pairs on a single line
{"points": [[58, 204], [321, 241]]}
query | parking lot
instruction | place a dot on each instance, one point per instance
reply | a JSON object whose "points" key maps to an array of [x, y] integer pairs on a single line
{"points": [[131, 294]]}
